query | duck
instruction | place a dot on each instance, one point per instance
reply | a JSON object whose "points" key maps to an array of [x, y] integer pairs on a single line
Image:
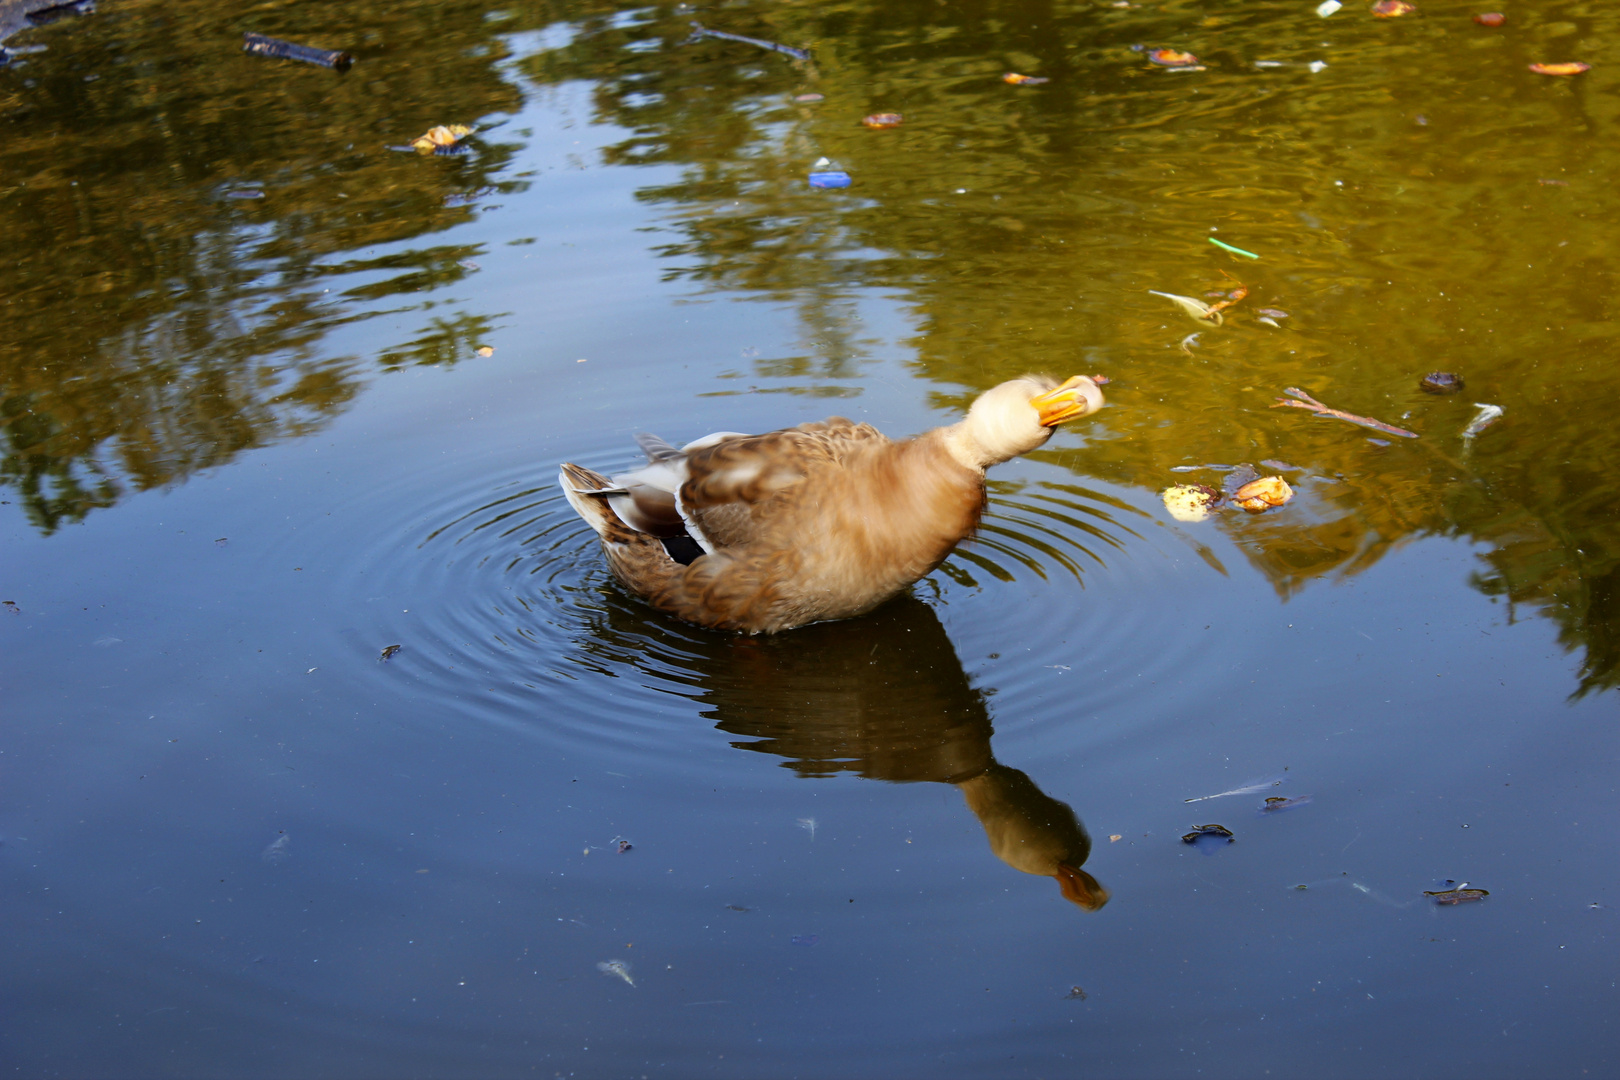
{"points": [[827, 520]]}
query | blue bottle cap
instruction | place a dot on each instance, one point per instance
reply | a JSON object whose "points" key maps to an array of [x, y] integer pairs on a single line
{"points": [[829, 179]]}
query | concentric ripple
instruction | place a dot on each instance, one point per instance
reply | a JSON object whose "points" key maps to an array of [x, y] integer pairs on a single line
{"points": [[505, 612]]}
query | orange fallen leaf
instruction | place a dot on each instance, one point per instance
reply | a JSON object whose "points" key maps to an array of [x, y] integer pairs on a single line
{"points": [[1262, 494], [1023, 80], [1572, 68], [1490, 18], [1390, 9], [1172, 58], [883, 120]]}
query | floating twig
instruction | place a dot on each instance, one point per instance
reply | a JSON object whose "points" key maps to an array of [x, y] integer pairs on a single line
{"points": [[1312, 405]]}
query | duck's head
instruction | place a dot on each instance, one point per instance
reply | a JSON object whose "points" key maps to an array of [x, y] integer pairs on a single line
{"points": [[1018, 416]]}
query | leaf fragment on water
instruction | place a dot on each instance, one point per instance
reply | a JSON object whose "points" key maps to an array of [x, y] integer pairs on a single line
{"points": [[1278, 803], [388, 653], [1573, 68], [1208, 830], [1197, 309], [1016, 79], [486, 350], [1392, 9], [1261, 495], [1190, 502], [1490, 18], [442, 136], [883, 120], [1172, 58], [1448, 897]]}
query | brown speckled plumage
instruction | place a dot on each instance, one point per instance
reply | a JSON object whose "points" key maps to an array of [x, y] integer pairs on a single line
{"points": [[820, 521]]}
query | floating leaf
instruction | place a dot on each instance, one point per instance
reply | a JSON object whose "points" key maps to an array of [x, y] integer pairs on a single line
{"points": [[1023, 80], [1277, 803], [1171, 58], [388, 653], [883, 120], [442, 136], [1573, 68], [1391, 9], [1190, 502], [486, 350], [1208, 830], [1262, 494], [1490, 18], [1457, 896]]}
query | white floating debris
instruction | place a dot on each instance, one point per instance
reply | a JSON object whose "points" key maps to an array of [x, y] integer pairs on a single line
{"points": [[1316, 65], [1328, 7], [1488, 415]]}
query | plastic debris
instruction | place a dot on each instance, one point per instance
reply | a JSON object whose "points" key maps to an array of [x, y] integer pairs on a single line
{"points": [[830, 179], [1392, 9], [883, 120], [1023, 80], [388, 653], [1311, 404], [617, 968], [1573, 68], [1233, 250], [1488, 415], [1208, 830], [1328, 7], [1191, 503], [701, 31], [1195, 308], [260, 45], [1441, 382], [1261, 495], [1490, 18]]}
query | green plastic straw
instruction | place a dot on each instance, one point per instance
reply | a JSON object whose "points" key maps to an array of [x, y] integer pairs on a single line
{"points": [[1233, 250]]}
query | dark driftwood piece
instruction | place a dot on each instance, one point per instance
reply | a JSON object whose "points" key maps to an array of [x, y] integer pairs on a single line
{"points": [[260, 45]]}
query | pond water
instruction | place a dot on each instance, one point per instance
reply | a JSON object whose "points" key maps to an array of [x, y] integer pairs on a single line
{"points": [[275, 398]]}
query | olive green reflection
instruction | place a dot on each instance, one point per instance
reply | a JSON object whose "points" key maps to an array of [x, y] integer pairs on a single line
{"points": [[885, 697]]}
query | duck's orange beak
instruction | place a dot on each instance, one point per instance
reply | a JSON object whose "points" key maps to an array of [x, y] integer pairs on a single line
{"points": [[1077, 397]]}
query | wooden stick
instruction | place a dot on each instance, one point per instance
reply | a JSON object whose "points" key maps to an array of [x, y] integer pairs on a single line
{"points": [[1311, 404]]}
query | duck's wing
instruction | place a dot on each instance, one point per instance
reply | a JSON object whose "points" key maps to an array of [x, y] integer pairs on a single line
{"points": [[733, 485], [645, 499]]}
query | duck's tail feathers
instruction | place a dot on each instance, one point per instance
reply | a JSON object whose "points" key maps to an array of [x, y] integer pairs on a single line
{"points": [[656, 448], [587, 492]]}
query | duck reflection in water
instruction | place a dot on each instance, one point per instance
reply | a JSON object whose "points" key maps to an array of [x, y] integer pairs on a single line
{"points": [[884, 696]]}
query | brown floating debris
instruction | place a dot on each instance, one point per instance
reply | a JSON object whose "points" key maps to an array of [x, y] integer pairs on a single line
{"points": [[883, 120], [1208, 830], [1392, 9], [1277, 802], [11, 606], [1075, 994], [1261, 495], [1490, 18], [1457, 896], [1441, 382], [260, 45], [624, 846], [1312, 405], [1023, 80], [388, 653]]}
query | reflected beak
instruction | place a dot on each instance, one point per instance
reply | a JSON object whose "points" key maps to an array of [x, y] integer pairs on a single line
{"points": [[1077, 397], [1080, 888]]}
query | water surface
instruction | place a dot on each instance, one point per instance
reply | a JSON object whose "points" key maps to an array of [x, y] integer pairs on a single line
{"points": [[275, 398]]}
